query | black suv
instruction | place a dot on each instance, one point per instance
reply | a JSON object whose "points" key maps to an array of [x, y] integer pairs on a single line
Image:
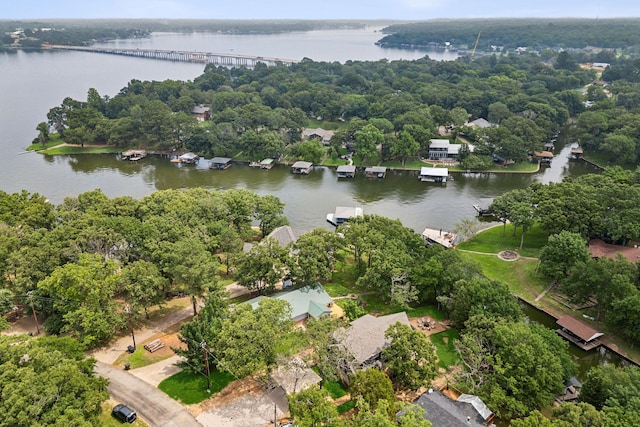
{"points": [[124, 413]]}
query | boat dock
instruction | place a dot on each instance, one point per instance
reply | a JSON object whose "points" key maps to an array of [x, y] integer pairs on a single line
{"points": [[133, 155]]}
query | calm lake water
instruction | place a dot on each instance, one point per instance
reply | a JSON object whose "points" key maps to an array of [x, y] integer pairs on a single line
{"points": [[34, 82]]}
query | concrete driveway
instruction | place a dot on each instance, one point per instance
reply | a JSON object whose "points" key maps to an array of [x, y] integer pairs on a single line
{"points": [[151, 404]]}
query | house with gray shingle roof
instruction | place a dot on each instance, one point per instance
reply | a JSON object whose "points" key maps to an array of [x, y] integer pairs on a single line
{"points": [[442, 411], [364, 339]]}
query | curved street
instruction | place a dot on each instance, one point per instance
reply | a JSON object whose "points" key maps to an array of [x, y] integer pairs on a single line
{"points": [[152, 405]]}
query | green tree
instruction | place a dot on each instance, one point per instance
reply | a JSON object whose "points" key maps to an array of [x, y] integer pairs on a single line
{"points": [[562, 251], [82, 295], [263, 266], [144, 284], [372, 386], [410, 358], [43, 132], [367, 141], [203, 330], [406, 146], [313, 408], [48, 381], [249, 338], [269, 212], [314, 257]]}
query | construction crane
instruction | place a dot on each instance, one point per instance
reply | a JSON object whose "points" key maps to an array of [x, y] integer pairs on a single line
{"points": [[475, 45]]}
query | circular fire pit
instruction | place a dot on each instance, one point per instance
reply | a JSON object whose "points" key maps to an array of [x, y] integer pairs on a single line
{"points": [[508, 255]]}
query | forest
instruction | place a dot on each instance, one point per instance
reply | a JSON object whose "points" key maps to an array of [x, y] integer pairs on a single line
{"points": [[507, 35]]}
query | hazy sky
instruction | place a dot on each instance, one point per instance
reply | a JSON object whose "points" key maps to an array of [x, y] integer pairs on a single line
{"points": [[316, 9]]}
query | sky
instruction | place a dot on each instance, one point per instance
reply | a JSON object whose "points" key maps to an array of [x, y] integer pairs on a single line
{"points": [[317, 9]]}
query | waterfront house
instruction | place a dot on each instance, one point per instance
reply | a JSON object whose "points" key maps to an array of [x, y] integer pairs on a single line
{"points": [[375, 172], [220, 163], [322, 135], [342, 214], [201, 113], [579, 333], [189, 158], [364, 338], [346, 171], [430, 174], [302, 168], [441, 149], [305, 302], [286, 235]]}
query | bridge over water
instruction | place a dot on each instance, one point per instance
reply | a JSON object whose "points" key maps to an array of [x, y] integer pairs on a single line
{"points": [[225, 59]]}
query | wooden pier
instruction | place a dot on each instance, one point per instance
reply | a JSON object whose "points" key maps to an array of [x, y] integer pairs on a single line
{"points": [[225, 59]]}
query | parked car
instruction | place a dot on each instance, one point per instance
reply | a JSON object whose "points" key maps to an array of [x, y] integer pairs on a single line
{"points": [[124, 413]]}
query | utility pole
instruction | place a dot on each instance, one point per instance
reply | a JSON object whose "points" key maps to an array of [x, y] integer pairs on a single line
{"points": [[33, 310], [275, 415], [206, 364], [127, 309]]}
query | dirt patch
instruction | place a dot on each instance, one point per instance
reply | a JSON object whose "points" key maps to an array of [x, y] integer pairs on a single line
{"points": [[428, 325]]}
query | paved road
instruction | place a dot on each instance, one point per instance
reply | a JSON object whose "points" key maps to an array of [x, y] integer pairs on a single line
{"points": [[151, 404]]}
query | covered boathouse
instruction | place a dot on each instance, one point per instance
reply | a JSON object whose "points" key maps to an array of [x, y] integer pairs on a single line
{"points": [[220, 163], [346, 171], [302, 168], [375, 172], [430, 174], [579, 333]]}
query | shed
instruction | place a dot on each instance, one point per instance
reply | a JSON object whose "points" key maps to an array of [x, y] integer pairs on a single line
{"points": [[302, 168], [346, 171], [430, 174], [220, 163], [375, 172]]}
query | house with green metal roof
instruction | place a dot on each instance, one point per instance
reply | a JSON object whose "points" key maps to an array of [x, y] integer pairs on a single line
{"points": [[305, 302]]}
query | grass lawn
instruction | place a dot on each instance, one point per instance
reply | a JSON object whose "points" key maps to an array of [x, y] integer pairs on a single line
{"points": [[76, 149], [411, 163], [336, 289], [140, 358], [445, 347], [334, 162], [520, 167], [429, 310], [346, 407], [492, 241], [292, 343], [519, 275], [335, 389], [190, 388]]}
